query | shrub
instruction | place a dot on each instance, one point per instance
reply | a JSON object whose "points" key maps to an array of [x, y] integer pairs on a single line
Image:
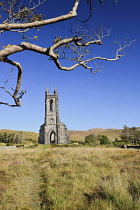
{"points": [[103, 139], [91, 139]]}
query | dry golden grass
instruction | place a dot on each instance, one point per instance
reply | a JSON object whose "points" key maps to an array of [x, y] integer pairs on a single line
{"points": [[70, 179], [19, 181]]}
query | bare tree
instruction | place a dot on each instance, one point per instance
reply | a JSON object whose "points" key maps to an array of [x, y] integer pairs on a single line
{"points": [[20, 19]]}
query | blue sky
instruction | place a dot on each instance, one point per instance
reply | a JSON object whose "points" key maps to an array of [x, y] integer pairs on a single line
{"points": [[108, 99]]}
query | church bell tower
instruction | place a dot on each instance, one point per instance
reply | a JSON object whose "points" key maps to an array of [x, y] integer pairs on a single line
{"points": [[52, 131]]}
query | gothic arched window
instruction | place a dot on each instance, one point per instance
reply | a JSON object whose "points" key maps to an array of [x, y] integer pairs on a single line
{"points": [[52, 137], [51, 105]]}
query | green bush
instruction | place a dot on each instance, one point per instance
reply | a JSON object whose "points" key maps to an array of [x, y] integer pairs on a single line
{"points": [[91, 139], [103, 139]]}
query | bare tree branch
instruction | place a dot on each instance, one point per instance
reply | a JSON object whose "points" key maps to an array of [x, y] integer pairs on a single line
{"points": [[121, 48], [21, 19], [17, 89], [50, 51], [90, 12], [35, 24]]}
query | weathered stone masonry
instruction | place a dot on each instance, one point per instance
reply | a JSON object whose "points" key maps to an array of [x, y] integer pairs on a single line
{"points": [[52, 131]]}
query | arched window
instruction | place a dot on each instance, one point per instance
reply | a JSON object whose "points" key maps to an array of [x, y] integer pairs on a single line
{"points": [[51, 105], [52, 137]]}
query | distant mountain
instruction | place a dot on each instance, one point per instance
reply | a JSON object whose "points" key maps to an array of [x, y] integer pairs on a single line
{"points": [[112, 133]]}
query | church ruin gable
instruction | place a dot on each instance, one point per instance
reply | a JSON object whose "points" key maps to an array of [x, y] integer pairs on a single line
{"points": [[52, 131]]}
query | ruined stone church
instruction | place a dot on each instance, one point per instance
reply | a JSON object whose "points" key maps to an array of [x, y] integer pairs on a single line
{"points": [[52, 131]]}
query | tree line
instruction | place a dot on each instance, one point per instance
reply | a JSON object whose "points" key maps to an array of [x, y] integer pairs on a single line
{"points": [[128, 136], [11, 138]]}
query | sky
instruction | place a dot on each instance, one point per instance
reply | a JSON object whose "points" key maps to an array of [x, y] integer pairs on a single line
{"points": [[108, 99]]}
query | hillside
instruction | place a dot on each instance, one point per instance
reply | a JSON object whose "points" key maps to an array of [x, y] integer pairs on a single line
{"points": [[26, 134], [75, 135], [80, 135]]}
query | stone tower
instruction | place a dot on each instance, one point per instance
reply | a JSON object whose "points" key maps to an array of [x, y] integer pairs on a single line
{"points": [[52, 131]]}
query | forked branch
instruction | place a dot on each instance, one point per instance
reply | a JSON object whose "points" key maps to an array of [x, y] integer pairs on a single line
{"points": [[18, 84], [75, 49], [51, 52]]}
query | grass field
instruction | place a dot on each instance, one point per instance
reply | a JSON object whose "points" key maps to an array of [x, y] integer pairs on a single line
{"points": [[69, 178]]}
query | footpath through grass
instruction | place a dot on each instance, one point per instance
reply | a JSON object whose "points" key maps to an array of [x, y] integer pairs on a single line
{"points": [[70, 179]]}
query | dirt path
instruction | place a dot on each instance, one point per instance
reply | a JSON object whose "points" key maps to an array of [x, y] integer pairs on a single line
{"points": [[20, 180], [7, 147]]}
